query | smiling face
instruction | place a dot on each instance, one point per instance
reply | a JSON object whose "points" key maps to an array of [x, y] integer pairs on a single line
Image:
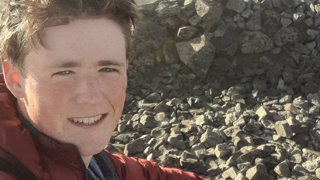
{"points": [[74, 88]]}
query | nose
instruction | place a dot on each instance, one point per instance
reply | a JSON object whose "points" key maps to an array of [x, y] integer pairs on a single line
{"points": [[88, 91]]}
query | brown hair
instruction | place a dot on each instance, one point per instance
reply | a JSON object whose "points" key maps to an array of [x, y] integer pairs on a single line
{"points": [[23, 21]]}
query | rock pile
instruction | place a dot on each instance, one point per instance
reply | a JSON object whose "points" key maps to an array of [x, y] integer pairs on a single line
{"points": [[226, 88]]}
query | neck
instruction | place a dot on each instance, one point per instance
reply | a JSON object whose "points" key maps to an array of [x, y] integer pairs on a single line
{"points": [[86, 160]]}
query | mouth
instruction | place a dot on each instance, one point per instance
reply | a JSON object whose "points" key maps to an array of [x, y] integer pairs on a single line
{"points": [[88, 121]]}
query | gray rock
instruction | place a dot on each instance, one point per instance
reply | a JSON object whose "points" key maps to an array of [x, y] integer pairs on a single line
{"points": [[240, 176], [197, 54], [232, 131], [154, 97], [148, 5], [210, 139], [285, 36], [230, 173], [282, 169], [226, 41], [317, 172], [258, 172], [298, 16], [209, 10], [194, 20], [151, 34], [298, 170], [296, 158], [261, 112], [256, 42], [222, 150], [283, 129], [254, 23], [124, 138], [202, 120], [177, 141], [311, 165], [188, 160], [168, 9], [148, 121], [189, 7], [251, 155], [285, 22], [236, 5], [187, 32], [134, 147]]}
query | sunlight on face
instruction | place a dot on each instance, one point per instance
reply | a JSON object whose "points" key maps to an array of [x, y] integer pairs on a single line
{"points": [[75, 87]]}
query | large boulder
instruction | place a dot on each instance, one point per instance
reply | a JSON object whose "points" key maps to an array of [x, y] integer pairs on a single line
{"points": [[197, 54]]}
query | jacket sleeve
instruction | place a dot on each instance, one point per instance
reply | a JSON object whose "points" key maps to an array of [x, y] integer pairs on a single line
{"points": [[135, 168], [5, 176]]}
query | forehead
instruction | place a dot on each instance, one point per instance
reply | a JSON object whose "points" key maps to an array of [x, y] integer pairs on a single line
{"points": [[93, 30], [89, 39]]}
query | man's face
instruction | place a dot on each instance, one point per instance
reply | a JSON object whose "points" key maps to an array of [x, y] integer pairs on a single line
{"points": [[75, 87]]}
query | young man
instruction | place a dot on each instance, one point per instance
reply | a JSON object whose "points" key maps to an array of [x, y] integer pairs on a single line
{"points": [[63, 89]]}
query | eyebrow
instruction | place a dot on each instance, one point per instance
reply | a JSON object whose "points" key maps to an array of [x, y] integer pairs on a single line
{"points": [[71, 64], [109, 62]]}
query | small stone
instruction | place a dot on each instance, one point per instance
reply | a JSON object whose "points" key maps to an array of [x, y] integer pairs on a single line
{"points": [[134, 147], [177, 141], [311, 165], [282, 169], [240, 176], [291, 108], [283, 129], [154, 97], [188, 160], [232, 131], [285, 99], [296, 158], [222, 150], [261, 112], [298, 16], [230, 173], [252, 155], [148, 121], [202, 120], [258, 172], [210, 139], [298, 170]]}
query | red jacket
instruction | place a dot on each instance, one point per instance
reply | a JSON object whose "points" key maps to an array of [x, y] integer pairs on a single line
{"points": [[48, 158]]}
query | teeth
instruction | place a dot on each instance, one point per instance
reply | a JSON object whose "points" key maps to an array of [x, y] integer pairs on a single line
{"points": [[87, 121]]}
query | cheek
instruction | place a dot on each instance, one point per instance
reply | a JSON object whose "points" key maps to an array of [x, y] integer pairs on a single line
{"points": [[115, 91]]}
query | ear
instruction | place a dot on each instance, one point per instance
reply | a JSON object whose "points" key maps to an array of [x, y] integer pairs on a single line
{"points": [[13, 80]]}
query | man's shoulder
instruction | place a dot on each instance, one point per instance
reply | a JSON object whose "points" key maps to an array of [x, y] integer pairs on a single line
{"points": [[128, 167]]}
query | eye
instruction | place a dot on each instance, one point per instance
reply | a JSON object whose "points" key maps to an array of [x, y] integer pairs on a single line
{"points": [[108, 70], [67, 72]]}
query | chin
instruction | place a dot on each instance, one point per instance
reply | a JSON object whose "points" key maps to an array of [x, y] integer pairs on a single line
{"points": [[90, 148]]}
